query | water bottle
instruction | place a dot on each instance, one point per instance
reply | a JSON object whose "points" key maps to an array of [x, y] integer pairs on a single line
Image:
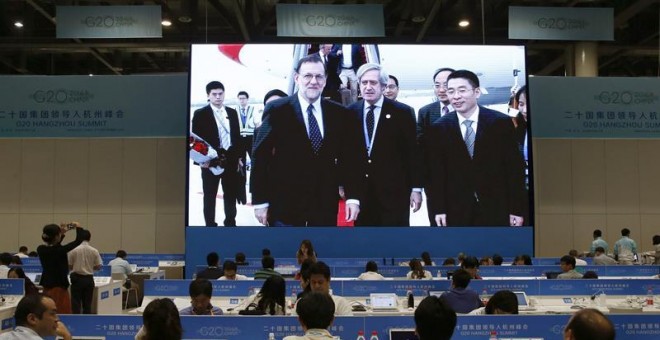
{"points": [[294, 297], [411, 299], [493, 335], [360, 335], [649, 297], [484, 296], [271, 336], [439, 274], [374, 335]]}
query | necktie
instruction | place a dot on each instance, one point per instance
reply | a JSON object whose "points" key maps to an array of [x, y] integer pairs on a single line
{"points": [[325, 59], [370, 124], [224, 135], [243, 117], [445, 110], [469, 137], [314, 131]]}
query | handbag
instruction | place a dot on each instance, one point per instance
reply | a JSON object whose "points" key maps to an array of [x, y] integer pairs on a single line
{"points": [[251, 309]]}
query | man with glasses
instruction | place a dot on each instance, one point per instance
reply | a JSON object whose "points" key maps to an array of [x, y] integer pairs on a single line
{"points": [[392, 177], [392, 88], [476, 171], [307, 147], [36, 318], [428, 114]]}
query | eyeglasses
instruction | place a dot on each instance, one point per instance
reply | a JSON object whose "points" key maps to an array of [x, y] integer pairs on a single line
{"points": [[391, 87], [308, 77], [461, 91]]}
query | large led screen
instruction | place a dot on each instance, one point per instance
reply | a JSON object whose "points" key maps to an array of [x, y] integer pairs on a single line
{"points": [[340, 143]]}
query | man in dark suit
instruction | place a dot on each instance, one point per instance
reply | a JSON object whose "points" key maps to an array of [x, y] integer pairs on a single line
{"points": [[428, 114], [332, 83], [218, 125], [305, 149], [476, 171], [392, 177]]}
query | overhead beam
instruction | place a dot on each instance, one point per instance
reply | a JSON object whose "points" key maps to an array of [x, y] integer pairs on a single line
{"points": [[96, 54], [429, 20]]}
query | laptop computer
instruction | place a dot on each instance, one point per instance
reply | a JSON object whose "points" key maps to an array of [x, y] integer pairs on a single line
{"points": [[403, 334], [523, 301], [383, 301]]}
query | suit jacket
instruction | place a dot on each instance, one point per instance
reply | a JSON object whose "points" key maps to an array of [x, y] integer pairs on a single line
{"points": [[428, 114], [495, 173], [333, 82], [394, 163], [299, 186], [204, 125]]}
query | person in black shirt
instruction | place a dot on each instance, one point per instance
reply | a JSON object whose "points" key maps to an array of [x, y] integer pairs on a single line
{"points": [[55, 264], [212, 272]]}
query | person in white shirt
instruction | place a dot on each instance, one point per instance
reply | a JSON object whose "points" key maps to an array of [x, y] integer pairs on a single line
{"points": [[578, 261], [229, 269], [83, 261], [120, 265], [417, 272], [600, 258], [5, 261], [36, 319], [315, 312], [319, 281], [371, 272], [22, 252]]}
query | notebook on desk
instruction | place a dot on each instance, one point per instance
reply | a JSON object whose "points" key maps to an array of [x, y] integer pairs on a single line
{"points": [[383, 302], [403, 334]]}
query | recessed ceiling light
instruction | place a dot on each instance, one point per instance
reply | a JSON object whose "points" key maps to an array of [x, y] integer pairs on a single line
{"points": [[463, 23], [166, 23], [91, 74], [18, 24], [184, 19]]}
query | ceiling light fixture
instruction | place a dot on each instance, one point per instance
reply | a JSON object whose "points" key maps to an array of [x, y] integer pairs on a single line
{"points": [[184, 19], [463, 23], [166, 23], [18, 24]]}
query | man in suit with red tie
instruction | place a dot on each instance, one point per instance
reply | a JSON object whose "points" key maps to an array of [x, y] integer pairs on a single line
{"points": [[476, 171], [305, 149], [218, 125], [392, 178]]}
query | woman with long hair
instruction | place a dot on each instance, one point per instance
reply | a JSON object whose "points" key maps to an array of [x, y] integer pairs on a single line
{"points": [[270, 299], [55, 262], [18, 273], [426, 259], [305, 251], [417, 272], [161, 321]]}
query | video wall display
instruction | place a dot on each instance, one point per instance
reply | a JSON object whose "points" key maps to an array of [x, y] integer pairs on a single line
{"points": [[363, 135]]}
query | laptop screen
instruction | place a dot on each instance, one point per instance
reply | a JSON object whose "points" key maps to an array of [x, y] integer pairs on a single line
{"points": [[403, 334], [522, 298], [383, 301]]}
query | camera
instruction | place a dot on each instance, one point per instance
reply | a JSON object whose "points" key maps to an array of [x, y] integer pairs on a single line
{"points": [[70, 226]]}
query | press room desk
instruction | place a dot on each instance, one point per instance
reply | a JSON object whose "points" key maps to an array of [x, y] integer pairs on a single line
{"points": [[173, 269], [107, 296], [7, 312], [139, 277]]}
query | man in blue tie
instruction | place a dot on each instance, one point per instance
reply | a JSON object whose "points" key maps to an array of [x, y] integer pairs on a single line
{"points": [[392, 176], [476, 172], [307, 147]]}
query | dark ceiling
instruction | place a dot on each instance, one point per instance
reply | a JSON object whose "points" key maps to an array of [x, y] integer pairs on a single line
{"points": [[35, 50]]}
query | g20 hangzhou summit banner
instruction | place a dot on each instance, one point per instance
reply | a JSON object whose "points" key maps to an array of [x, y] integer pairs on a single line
{"points": [[96, 106], [613, 107]]}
